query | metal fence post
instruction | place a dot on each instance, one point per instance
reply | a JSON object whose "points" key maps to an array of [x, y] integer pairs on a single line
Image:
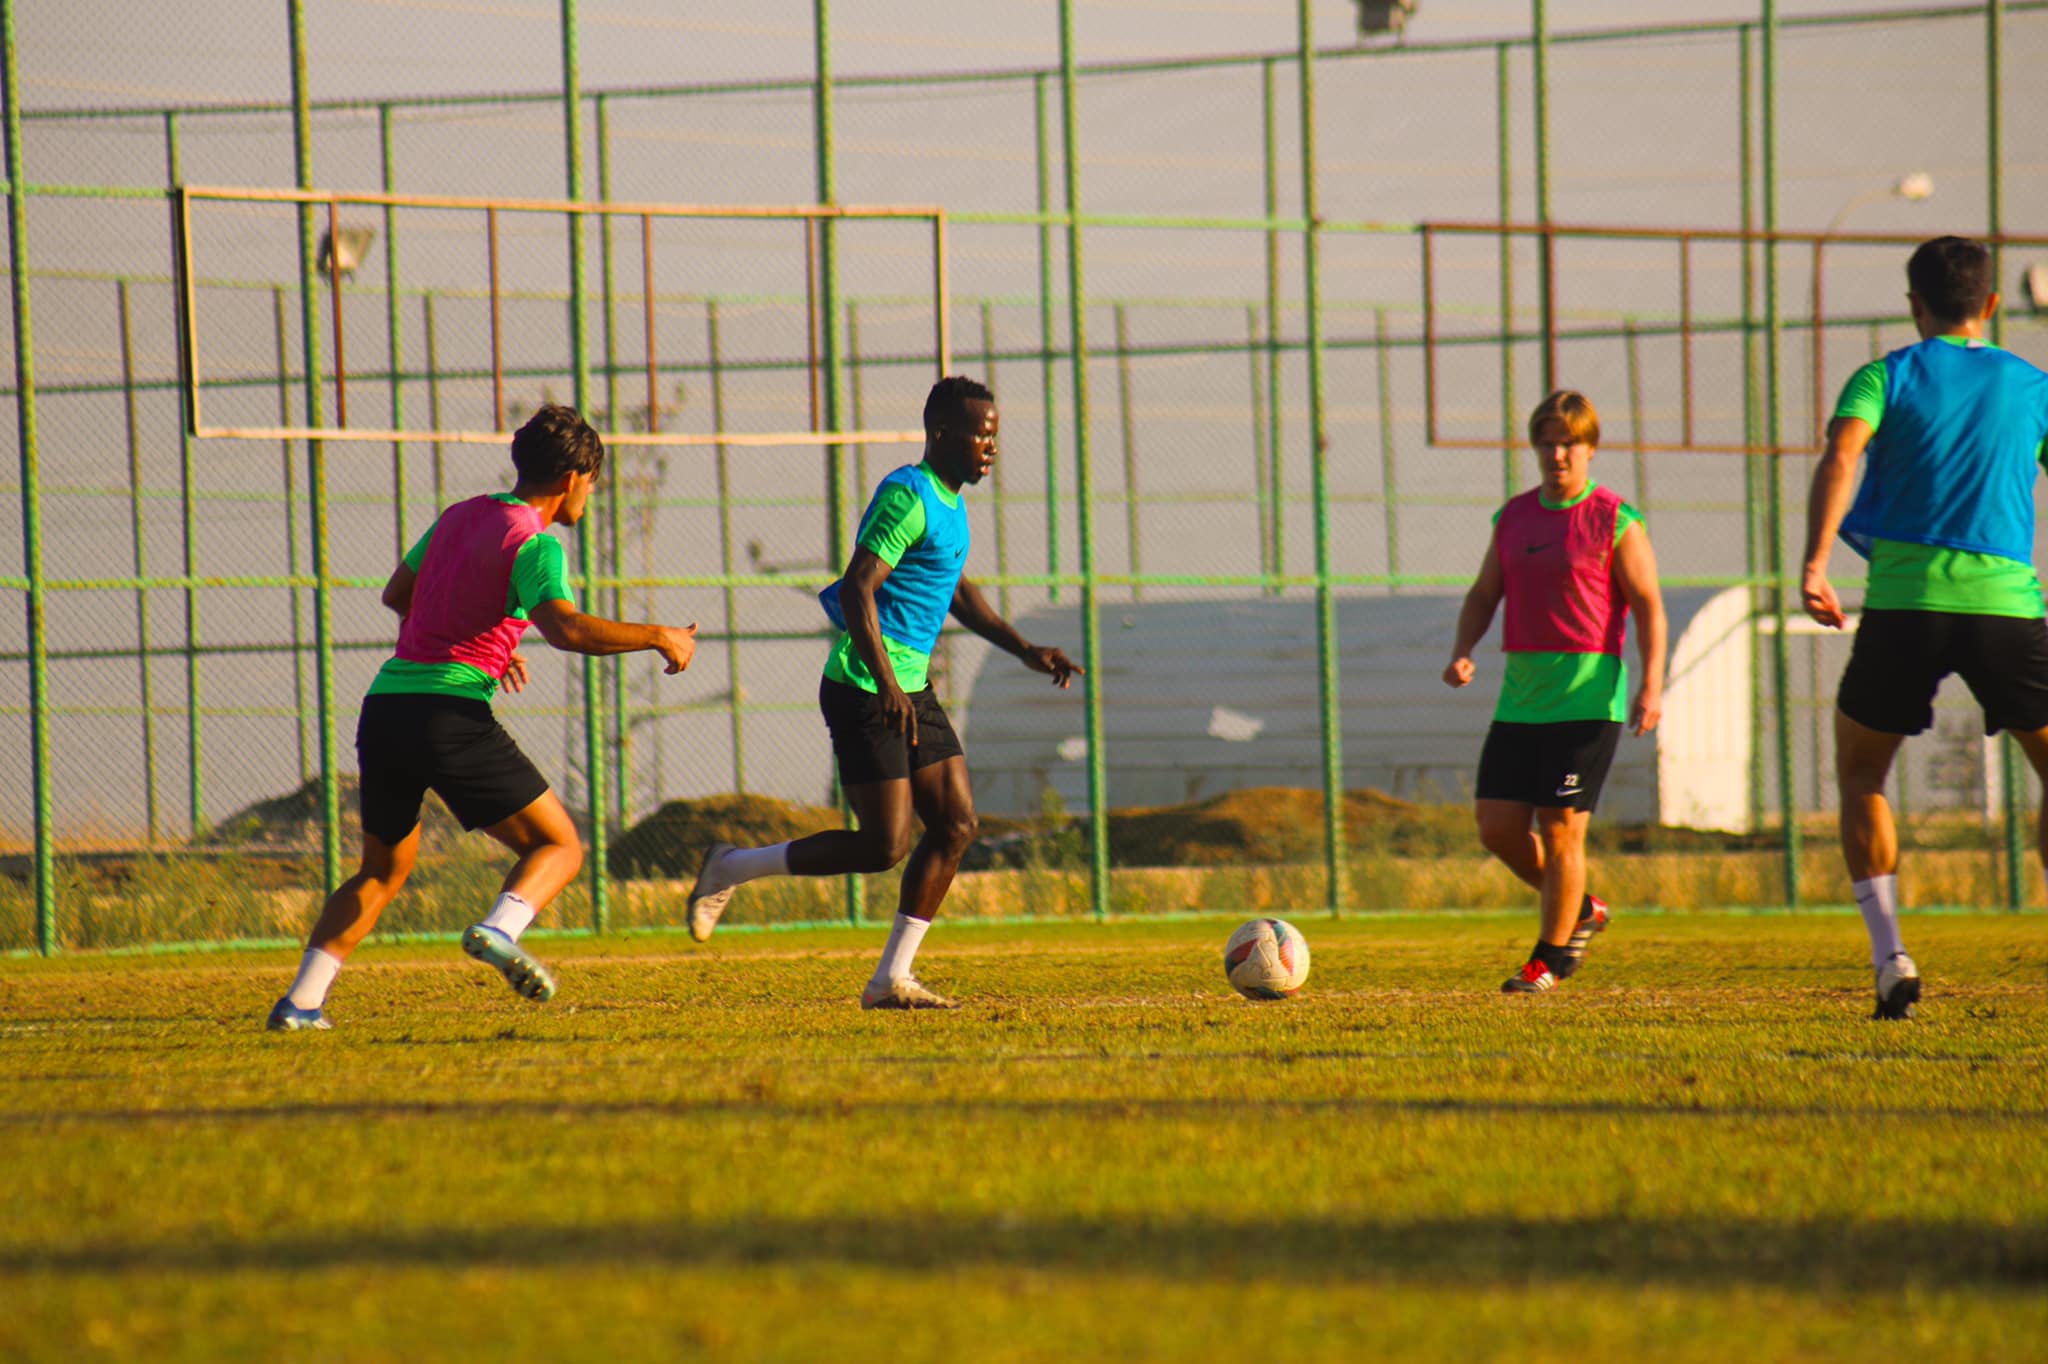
{"points": [[31, 492], [1334, 851]]}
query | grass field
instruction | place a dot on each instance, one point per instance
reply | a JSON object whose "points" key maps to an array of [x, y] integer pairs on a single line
{"points": [[1699, 1149]]}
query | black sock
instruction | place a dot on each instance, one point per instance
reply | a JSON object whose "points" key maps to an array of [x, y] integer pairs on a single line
{"points": [[1556, 958]]}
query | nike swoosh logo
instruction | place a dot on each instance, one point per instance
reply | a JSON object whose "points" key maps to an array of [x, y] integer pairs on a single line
{"points": [[1533, 549]]}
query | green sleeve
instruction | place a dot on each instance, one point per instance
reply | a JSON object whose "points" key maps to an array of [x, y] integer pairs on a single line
{"points": [[1863, 395], [893, 524], [540, 572], [417, 555], [1624, 517]]}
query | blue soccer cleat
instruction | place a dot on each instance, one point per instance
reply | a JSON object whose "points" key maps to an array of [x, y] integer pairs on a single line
{"points": [[286, 1016], [495, 947]]}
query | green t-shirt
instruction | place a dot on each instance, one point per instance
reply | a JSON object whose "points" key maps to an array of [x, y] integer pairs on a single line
{"points": [[895, 522], [1906, 576], [540, 572], [1538, 687]]}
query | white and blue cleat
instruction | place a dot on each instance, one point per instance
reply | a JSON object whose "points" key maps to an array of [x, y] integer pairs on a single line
{"points": [[286, 1016], [494, 947]]}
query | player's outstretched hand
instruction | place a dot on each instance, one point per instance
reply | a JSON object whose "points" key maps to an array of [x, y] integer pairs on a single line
{"points": [[1647, 710], [1044, 658], [676, 647], [1817, 595], [1459, 672], [516, 676]]}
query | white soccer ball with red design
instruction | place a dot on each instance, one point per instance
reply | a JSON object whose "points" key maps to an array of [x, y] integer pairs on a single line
{"points": [[1266, 959]]}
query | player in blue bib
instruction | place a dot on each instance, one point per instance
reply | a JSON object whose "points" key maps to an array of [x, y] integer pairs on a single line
{"points": [[1954, 429], [898, 754]]}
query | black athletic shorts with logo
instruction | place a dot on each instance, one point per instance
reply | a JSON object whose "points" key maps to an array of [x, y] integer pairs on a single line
{"points": [[1900, 658], [1561, 765], [409, 742], [868, 750]]}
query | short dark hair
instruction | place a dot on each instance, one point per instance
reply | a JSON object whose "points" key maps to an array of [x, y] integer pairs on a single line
{"points": [[1951, 276], [1572, 410], [949, 398], [556, 441]]}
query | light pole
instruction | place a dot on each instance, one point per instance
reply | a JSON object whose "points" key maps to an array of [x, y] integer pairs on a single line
{"points": [[1912, 188]]}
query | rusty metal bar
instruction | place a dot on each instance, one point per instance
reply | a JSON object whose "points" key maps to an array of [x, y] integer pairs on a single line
{"points": [[760, 439], [188, 294], [811, 317], [647, 294], [1820, 351], [1429, 331], [943, 302], [614, 208], [1685, 338], [1550, 306], [340, 344], [497, 339]]}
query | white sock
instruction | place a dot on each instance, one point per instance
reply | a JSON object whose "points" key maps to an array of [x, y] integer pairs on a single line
{"points": [[1878, 898], [316, 973], [510, 916], [741, 865], [904, 937]]}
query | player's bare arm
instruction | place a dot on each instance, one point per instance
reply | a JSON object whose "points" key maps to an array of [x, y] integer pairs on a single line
{"points": [[1635, 573], [1481, 601], [865, 574], [972, 610], [398, 589], [1834, 485], [566, 628]]}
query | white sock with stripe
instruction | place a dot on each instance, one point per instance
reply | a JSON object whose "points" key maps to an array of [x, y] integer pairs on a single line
{"points": [[899, 952], [741, 865], [317, 970], [1878, 898], [510, 915]]}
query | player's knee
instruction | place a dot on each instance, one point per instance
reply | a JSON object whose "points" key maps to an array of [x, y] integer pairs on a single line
{"points": [[883, 847], [1561, 833], [958, 829], [1498, 835]]}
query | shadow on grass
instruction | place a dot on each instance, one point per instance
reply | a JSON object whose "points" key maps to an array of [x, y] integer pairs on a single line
{"points": [[1094, 1109], [1832, 1255]]}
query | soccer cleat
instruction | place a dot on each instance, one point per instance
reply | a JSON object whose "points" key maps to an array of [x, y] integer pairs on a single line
{"points": [[1533, 979], [286, 1016], [1592, 919], [707, 900], [1898, 987], [495, 947], [906, 993]]}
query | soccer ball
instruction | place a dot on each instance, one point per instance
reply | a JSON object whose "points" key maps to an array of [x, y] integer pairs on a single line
{"points": [[1266, 959]]}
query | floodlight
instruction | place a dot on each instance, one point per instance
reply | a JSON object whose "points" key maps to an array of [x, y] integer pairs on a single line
{"points": [[1384, 18], [342, 250]]}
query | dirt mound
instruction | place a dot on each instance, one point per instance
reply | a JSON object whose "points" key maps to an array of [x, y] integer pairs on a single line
{"points": [[1258, 824], [669, 842], [292, 821]]}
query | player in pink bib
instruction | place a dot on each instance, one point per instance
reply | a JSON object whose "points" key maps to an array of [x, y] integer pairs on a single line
{"points": [[1569, 559], [465, 595]]}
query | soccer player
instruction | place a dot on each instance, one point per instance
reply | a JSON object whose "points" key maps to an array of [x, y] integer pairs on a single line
{"points": [[897, 752], [1954, 428], [464, 595], [1571, 560]]}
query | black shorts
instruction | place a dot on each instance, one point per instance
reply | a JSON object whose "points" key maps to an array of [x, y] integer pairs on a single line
{"points": [[409, 742], [1900, 658], [868, 750], [1558, 766]]}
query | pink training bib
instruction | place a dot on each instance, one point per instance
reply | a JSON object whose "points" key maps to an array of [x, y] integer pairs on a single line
{"points": [[1558, 567], [458, 602]]}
